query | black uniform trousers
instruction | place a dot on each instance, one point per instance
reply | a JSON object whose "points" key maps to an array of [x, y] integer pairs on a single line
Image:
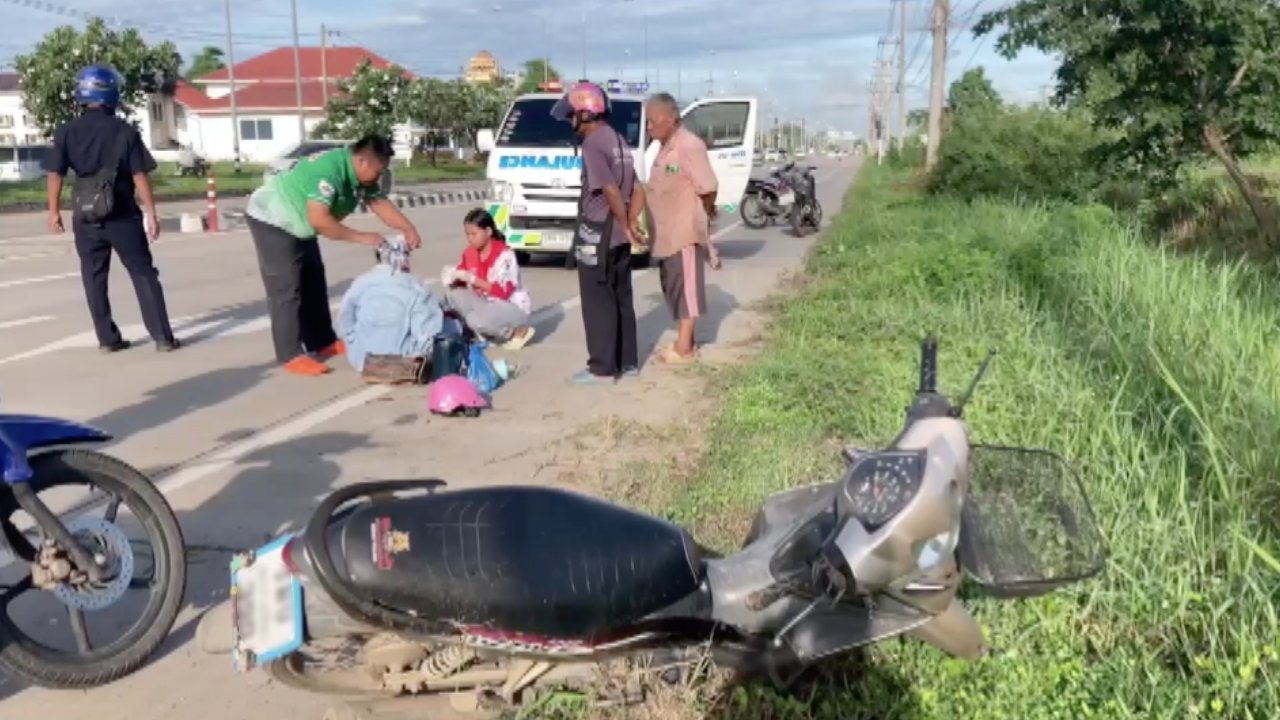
{"points": [[297, 291], [609, 313], [128, 238]]}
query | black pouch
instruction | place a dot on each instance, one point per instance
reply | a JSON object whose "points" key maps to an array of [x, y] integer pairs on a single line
{"points": [[94, 198]]}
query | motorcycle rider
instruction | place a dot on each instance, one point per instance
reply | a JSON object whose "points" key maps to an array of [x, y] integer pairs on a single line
{"points": [[103, 150], [607, 227]]}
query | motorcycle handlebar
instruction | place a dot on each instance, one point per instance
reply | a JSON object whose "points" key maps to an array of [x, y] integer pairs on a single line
{"points": [[928, 366]]}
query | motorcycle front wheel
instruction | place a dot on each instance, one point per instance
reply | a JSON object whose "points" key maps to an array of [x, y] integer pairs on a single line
{"points": [[753, 212], [815, 215], [36, 663]]}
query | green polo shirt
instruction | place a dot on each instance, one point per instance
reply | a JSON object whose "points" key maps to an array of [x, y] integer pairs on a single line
{"points": [[327, 177]]}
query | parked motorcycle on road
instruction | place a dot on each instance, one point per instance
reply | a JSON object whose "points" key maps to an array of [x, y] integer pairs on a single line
{"points": [[494, 596], [766, 200], [806, 212], [86, 562]]}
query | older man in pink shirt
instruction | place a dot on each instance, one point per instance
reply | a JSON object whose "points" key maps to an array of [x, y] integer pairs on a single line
{"points": [[681, 196]]}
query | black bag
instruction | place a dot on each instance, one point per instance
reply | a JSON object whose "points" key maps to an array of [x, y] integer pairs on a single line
{"points": [[94, 198]]}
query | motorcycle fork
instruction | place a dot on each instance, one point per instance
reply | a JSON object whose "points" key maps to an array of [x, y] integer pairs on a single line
{"points": [[50, 523]]}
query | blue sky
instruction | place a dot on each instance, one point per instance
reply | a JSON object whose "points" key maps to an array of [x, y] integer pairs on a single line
{"points": [[805, 58]]}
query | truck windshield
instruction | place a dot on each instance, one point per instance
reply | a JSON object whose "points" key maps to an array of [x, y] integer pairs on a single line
{"points": [[529, 124]]}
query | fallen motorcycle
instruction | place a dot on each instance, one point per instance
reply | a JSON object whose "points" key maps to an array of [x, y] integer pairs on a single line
{"points": [[494, 596], [86, 562]]}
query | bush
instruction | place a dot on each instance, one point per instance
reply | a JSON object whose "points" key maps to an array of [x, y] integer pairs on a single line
{"points": [[1036, 153]]}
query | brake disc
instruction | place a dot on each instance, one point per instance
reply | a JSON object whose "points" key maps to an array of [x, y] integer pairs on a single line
{"points": [[99, 537]]}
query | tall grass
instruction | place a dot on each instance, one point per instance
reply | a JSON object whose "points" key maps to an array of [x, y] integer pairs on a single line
{"points": [[1155, 372]]}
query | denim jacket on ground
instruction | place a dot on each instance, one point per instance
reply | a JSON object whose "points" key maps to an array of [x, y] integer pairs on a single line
{"points": [[388, 313]]}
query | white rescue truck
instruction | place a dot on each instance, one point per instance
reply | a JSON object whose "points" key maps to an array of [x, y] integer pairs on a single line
{"points": [[534, 168]]}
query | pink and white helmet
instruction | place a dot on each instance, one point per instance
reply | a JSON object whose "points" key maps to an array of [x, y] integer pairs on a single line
{"points": [[455, 395], [585, 101]]}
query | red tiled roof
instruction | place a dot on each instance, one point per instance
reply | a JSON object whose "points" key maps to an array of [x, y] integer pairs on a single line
{"points": [[277, 65], [265, 96]]}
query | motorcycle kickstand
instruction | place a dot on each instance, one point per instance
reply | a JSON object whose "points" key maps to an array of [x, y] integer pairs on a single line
{"points": [[523, 674]]}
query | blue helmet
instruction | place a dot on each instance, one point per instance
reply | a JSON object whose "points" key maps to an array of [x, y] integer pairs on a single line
{"points": [[98, 85]]}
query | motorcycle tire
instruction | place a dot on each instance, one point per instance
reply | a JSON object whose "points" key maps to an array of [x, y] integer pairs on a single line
{"points": [[761, 219], [815, 215], [25, 658]]}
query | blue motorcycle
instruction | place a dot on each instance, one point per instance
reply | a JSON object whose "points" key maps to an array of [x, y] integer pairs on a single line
{"points": [[81, 555]]}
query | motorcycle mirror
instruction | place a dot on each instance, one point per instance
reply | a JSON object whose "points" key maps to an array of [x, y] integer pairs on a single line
{"points": [[958, 410]]}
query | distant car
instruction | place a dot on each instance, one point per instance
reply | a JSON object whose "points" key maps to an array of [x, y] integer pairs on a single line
{"points": [[310, 147], [772, 155]]}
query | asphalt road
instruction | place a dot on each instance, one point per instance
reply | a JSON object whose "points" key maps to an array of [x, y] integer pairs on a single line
{"points": [[243, 451]]}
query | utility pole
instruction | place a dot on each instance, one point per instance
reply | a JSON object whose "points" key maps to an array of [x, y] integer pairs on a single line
{"points": [[231, 78], [902, 77], [881, 88], [888, 42], [324, 65], [937, 93], [297, 71]]}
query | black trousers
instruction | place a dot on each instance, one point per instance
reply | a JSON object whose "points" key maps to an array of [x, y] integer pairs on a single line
{"points": [[297, 292], [609, 313], [128, 238]]}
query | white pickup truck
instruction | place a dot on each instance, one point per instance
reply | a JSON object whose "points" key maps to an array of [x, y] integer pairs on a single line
{"points": [[534, 168]]}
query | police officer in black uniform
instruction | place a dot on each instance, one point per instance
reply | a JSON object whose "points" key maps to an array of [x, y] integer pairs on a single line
{"points": [[110, 219]]}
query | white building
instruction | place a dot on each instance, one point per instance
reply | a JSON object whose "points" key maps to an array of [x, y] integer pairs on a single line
{"points": [[266, 99], [23, 144]]}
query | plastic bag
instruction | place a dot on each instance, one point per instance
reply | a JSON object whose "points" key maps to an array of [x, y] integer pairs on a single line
{"points": [[480, 371]]}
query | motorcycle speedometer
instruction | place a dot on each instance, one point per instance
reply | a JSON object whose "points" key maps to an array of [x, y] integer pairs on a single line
{"points": [[879, 485]]}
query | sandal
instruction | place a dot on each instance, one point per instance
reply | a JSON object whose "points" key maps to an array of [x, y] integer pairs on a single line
{"points": [[669, 356]]}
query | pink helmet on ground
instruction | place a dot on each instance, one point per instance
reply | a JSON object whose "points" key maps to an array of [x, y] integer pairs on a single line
{"points": [[454, 395]]}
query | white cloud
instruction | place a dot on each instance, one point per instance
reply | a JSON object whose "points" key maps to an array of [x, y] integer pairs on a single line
{"points": [[812, 57]]}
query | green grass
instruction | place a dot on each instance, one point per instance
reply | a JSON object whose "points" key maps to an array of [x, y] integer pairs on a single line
{"points": [[1155, 372], [168, 185]]}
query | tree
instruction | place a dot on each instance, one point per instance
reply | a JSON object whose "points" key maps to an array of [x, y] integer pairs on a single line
{"points": [[48, 77], [1176, 80], [370, 102], [918, 120], [973, 92], [457, 109], [537, 71], [208, 60]]}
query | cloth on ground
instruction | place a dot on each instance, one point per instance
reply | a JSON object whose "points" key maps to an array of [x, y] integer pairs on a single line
{"points": [[388, 313]]}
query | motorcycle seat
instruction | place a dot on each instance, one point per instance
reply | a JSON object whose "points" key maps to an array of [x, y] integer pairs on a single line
{"points": [[528, 560]]}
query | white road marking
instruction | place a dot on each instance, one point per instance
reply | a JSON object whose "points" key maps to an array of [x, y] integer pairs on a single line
{"points": [[193, 327], [35, 280], [32, 256], [25, 321]]}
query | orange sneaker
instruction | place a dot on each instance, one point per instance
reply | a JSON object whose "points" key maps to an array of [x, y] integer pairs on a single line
{"points": [[334, 350], [305, 365]]}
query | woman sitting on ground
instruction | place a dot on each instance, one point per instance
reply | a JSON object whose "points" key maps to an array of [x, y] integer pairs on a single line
{"points": [[389, 312], [485, 287]]}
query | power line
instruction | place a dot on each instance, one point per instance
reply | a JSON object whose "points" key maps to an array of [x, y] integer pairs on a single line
{"points": [[168, 31]]}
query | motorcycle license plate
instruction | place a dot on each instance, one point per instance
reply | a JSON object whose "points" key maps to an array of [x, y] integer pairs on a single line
{"points": [[267, 602], [787, 199]]}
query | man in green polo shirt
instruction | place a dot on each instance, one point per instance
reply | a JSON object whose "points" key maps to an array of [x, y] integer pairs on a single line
{"points": [[288, 214]]}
